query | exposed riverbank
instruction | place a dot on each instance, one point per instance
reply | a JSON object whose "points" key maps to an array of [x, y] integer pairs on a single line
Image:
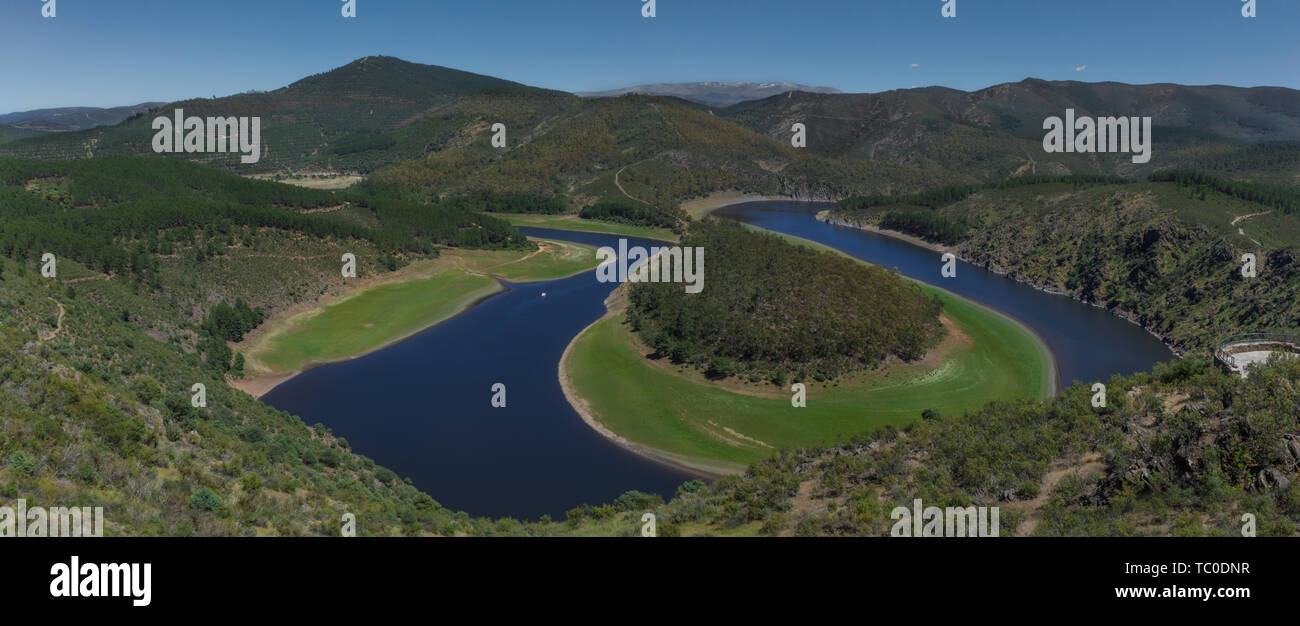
{"points": [[699, 208]]}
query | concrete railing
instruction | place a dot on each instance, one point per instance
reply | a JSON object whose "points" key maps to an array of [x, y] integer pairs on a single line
{"points": [[1283, 341]]}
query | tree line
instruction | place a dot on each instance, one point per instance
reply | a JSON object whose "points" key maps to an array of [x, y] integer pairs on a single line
{"points": [[1282, 197], [627, 212]]}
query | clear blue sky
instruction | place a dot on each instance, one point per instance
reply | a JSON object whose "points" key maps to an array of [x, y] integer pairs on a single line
{"points": [[117, 52]]}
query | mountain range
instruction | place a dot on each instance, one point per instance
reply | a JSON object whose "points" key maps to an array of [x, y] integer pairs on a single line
{"points": [[710, 93], [73, 118], [429, 128]]}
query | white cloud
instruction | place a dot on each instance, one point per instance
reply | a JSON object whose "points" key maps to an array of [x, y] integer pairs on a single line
{"points": [[915, 65], [1081, 68]]}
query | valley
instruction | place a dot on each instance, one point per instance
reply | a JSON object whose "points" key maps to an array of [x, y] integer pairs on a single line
{"points": [[473, 377]]}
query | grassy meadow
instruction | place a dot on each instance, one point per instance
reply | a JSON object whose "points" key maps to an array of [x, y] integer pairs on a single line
{"points": [[573, 222]]}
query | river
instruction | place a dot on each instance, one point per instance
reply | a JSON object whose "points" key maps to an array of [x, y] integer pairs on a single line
{"points": [[422, 407]]}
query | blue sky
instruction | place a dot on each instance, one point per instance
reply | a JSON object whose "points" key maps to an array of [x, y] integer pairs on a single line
{"points": [[117, 52]]}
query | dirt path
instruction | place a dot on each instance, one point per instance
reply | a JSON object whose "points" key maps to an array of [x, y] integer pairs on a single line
{"points": [[58, 326], [620, 185], [1242, 232], [1248, 216], [86, 278], [1088, 464], [328, 209]]}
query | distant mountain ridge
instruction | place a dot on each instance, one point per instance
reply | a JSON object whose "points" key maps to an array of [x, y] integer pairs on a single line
{"points": [[429, 127], [997, 131], [73, 118], [710, 93]]}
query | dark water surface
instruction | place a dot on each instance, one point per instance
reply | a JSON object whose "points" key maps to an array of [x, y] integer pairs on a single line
{"points": [[422, 407], [1089, 343]]}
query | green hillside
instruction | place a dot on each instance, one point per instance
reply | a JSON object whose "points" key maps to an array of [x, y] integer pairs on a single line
{"points": [[1166, 252], [10, 133]]}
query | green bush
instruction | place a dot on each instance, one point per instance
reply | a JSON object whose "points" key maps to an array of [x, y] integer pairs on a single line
{"points": [[205, 500], [22, 463]]}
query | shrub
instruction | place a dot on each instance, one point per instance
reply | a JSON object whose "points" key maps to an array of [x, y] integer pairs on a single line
{"points": [[205, 500], [22, 463]]}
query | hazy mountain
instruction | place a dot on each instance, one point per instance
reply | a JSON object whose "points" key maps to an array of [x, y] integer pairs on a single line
{"points": [[73, 118], [711, 93], [997, 131]]}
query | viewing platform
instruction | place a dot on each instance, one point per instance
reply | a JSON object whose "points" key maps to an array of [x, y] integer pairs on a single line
{"points": [[1238, 352]]}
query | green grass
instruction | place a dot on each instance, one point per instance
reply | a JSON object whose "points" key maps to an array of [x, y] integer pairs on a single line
{"points": [[672, 413], [555, 259], [573, 222], [370, 319]]}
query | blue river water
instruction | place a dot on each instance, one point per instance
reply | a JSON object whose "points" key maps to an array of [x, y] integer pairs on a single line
{"points": [[1089, 343], [422, 407]]}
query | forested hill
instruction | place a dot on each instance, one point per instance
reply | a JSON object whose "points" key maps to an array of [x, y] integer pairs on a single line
{"points": [[328, 121], [1166, 252], [772, 310], [112, 214], [998, 131], [636, 150]]}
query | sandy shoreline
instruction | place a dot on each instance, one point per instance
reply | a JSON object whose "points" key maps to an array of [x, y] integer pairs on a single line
{"points": [[699, 208]]}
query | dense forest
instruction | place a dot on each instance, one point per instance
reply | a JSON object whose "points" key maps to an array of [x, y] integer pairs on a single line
{"points": [[771, 310], [926, 225], [114, 214], [484, 201], [944, 196], [629, 212], [1282, 197]]}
